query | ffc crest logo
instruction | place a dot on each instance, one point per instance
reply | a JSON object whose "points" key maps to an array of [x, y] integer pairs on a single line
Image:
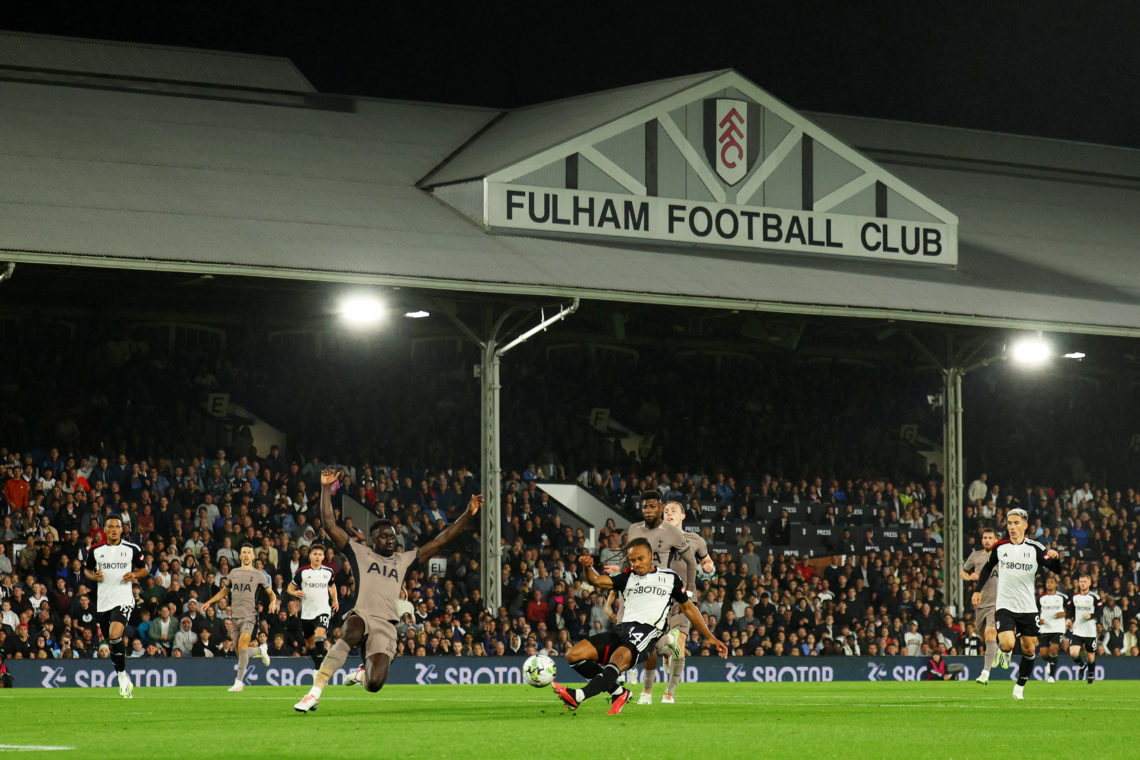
{"points": [[732, 137]]}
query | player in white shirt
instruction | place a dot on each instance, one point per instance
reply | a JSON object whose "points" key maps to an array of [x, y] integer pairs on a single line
{"points": [[313, 585], [1018, 560], [1051, 613], [115, 565], [650, 593], [1084, 610]]}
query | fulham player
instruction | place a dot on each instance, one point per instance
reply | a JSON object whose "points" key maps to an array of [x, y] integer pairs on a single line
{"points": [[1018, 560], [115, 565], [313, 585], [1051, 611], [650, 593], [1084, 610]]}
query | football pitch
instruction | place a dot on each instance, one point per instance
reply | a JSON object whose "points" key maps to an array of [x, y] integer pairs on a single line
{"points": [[800, 720]]}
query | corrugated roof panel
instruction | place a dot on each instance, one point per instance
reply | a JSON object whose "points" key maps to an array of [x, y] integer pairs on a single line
{"points": [[200, 185], [123, 60], [526, 131]]}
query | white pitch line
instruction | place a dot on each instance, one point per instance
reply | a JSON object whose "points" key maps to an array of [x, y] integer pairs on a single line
{"points": [[30, 748]]}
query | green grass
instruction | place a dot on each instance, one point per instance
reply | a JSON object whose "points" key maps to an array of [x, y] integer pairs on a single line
{"points": [[840, 720]]}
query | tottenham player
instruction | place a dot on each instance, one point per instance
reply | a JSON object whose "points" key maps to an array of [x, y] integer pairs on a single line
{"points": [[313, 585], [1019, 560], [984, 614], [241, 585], [671, 646], [115, 565], [1051, 612], [379, 572], [1084, 610], [649, 593]]}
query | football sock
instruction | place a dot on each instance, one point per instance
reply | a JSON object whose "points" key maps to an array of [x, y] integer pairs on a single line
{"points": [[333, 661], [676, 670], [243, 661], [318, 652], [588, 669], [991, 651], [1092, 671], [119, 654], [1052, 661], [648, 678], [1025, 669], [1077, 660], [606, 681]]}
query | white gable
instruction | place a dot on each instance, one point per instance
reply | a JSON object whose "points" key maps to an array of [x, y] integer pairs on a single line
{"points": [[718, 163]]}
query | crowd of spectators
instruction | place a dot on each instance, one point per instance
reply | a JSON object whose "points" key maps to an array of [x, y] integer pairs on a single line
{"points": [[132, 438], [765, 598]]}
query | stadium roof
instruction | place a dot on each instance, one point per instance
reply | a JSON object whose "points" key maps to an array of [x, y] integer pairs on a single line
{"points": [[108, 174]]}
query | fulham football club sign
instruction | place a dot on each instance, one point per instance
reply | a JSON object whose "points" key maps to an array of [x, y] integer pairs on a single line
{"points": [[732, 137], [721, 163]]}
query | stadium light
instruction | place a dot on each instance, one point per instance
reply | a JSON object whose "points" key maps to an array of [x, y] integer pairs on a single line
{"points": [[362, 311], [1031, 351]]}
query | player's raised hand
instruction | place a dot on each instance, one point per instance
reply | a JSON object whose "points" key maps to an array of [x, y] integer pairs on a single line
{"points": [[330, 475], [1052, 554], [586, 561], [475, 504]]}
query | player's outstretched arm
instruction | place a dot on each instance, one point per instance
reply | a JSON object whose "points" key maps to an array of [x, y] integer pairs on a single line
{"points": [[222, 593], [694, 615], [603, 582], [451, 532], [330, 475]]}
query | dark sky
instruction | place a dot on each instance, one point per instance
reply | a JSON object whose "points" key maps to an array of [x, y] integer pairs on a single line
{"points": [[1043, 67]]}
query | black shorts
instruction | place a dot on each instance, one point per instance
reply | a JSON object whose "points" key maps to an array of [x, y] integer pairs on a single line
{"points": [[114, 615], [1021, 623], [1048, 639], [1087, 643], [638, 638], [310, 626]]}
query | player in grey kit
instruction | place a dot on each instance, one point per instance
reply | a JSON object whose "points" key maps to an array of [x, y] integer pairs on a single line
{"points": [[671, 646], [379, 572], [241, 584], [984, 612]]}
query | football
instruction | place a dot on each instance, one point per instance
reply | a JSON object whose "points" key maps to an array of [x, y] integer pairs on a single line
{"points": [[538, 670]]}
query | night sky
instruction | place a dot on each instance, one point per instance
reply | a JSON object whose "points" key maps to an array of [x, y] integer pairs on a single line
{"points": [[1048, 68]]}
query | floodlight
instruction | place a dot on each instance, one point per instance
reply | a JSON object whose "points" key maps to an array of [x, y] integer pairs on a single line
{"points": [[1031, 351], [362, 311]]}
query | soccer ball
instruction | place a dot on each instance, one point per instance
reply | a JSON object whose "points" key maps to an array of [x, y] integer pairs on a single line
{"points": [[538, 670]]}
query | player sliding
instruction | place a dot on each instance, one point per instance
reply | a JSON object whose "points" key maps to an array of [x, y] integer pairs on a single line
{"points": [[379, 574], [123, 563], [242, 584], [649, 593], [1019, 559]]}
